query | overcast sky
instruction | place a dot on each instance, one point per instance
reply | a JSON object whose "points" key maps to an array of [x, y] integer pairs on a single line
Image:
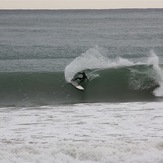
{"points": [[79, 4]]}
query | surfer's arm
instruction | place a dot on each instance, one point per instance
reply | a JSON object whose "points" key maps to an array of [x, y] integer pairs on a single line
{"points": [[84, 76], [77, 78], [80, 73]]}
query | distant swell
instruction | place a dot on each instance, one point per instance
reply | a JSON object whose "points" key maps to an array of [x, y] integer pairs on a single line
{"points": [[128, 83]]}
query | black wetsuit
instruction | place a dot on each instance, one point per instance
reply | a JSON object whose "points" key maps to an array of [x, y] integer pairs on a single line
{"points": [[81, 79]]}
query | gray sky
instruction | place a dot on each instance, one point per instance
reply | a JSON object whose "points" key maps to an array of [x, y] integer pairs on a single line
{"points": [[79, 4]]}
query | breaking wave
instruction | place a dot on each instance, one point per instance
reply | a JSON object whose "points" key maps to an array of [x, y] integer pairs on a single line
{"points": [[109, 81]]}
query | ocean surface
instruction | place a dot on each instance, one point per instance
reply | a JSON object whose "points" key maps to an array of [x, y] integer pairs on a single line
{"points": [[116, 119]]}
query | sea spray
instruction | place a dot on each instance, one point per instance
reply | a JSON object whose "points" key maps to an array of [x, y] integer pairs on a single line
{"points": [[93, 59], [154, 60]]}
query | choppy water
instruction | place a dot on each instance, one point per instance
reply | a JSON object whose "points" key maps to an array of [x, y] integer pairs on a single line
{"points": [[117, 118]]}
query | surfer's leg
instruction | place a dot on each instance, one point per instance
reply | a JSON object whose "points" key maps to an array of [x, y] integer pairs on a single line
{"points": [[81, 81]]}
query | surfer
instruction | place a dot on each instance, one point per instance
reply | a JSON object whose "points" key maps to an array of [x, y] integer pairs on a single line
{"points": [[81, 76]]}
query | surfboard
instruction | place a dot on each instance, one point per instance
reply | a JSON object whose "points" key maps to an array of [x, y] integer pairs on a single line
{"points": [[77, 86]]}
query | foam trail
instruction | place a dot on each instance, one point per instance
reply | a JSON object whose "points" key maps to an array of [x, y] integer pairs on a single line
{"points": [[154, 60]]}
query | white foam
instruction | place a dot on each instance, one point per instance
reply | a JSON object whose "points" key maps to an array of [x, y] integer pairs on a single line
{"points": [[93, 59], [154, 60], [83, 133]]}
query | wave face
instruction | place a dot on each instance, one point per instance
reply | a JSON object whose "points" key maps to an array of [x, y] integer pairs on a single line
{"points": [[127, 83], [133, 83], [109, 80]]}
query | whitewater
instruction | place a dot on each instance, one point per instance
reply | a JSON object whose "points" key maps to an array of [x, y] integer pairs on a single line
{"points": [[84, 133], [116, 119]]}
